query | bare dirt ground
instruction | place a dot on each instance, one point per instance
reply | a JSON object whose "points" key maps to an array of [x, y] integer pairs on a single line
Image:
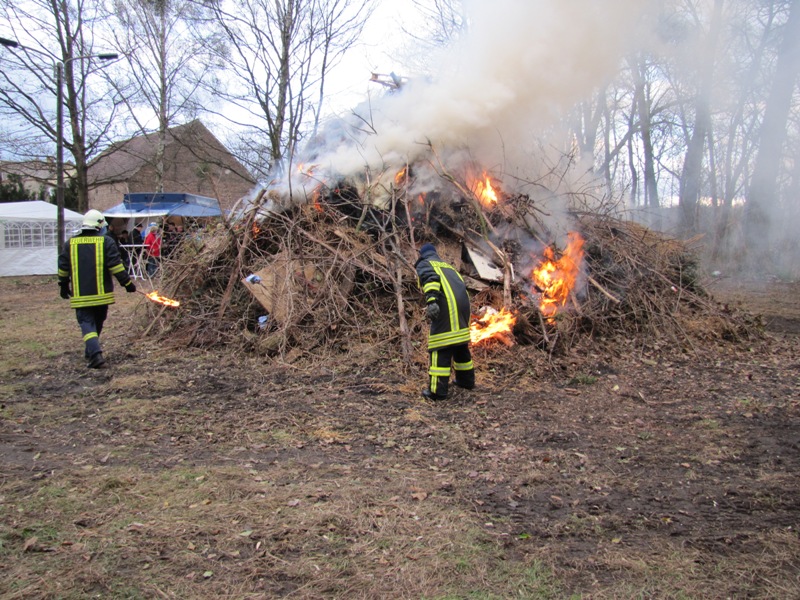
{"points": [[627, 469]]}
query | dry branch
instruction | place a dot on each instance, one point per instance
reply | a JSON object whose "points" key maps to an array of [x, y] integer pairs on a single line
{"points": [[605, 292]]}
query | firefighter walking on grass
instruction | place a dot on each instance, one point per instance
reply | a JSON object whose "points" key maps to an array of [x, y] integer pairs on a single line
{"points": [[449, 313], [85, 266]]}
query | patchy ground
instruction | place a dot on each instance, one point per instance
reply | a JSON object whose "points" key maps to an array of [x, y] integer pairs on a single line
{"points": [[627, 469]]}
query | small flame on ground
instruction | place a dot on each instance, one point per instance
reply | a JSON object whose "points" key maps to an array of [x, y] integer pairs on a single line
{"points": [[159, 299], [315, 198], [554, 279], [400, 178], [494, 325]]}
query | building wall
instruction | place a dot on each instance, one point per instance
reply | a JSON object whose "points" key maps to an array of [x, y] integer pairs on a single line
{"points": [[201, 166], [105, 196]]}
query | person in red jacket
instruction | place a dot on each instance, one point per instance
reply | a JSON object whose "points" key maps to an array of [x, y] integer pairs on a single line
{"points": [[152, 246]]}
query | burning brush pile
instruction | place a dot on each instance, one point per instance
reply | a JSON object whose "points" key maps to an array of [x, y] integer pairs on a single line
{"points": [[335, 273]]}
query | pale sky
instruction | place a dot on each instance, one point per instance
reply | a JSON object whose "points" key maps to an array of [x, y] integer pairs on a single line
{"points": [[379, 51]]}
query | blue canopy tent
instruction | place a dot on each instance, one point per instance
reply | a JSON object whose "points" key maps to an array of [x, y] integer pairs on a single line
{"points": [[146, 205], [142, 207]]}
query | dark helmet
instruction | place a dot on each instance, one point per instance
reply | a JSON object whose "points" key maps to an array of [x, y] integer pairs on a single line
{"points": [[427, 250]]}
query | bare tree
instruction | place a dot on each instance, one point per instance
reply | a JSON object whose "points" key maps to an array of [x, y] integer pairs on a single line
{"points": [[762, 198], [587, 119], [644, 108], [737, 118], [691, 174], [278, 56], [166, 45], [56, 37], [444, 21]]}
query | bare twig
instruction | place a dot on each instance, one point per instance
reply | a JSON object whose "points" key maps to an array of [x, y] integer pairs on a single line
{"points": [[606, 293]]}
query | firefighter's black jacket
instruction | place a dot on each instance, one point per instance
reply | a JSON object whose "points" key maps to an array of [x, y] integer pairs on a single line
{"points": [[442, 284], [87, 263]]}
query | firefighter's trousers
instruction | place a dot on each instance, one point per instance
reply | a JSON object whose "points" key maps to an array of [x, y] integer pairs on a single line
{"points": [[91, 319], [442, 359]]}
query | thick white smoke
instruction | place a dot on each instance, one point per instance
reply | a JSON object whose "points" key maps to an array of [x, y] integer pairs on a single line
{"points": [[519, 68]]}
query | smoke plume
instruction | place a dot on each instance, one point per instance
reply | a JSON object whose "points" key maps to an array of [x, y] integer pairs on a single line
{"points": [[516, 71]]}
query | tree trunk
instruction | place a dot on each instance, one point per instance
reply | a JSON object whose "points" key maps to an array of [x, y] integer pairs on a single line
{"points": [[588, 120], [163, 118], [690, 182], [762, 198], [642, 103]]}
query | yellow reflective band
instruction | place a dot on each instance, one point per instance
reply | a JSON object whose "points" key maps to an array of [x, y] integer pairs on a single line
{"points": [[73, 258], [433, 286], [439, 372], [452, 336], [118, 269], [97, 300], [439, 267], [90, 335], [467, 366], [98, 265]]}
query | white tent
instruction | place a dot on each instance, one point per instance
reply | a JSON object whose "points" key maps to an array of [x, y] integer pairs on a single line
{"points": [[28, 237]]}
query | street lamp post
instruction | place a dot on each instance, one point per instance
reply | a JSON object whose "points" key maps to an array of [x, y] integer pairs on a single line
{"points": [[59, 67]]}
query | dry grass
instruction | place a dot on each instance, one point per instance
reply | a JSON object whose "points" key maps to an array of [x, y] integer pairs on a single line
{"points": [[232, 533], [190, 474]]}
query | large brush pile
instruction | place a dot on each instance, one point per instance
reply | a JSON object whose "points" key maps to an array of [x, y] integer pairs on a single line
{"points": [[341, 279]]}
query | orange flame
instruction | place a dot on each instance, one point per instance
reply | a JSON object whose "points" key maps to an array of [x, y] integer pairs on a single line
{"points": [[159, 299], [256, 229], [400, 178], [494, 325], [315, 197], [554, 280], [485, 191], [305, 169]]}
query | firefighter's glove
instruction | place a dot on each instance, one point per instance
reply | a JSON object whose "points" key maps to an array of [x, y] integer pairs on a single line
{"points": [[129, 287], [432, 311], [65, 294]]}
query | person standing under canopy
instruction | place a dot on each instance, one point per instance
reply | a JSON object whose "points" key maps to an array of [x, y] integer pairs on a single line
{"points": [[152, 245], [137, 239]]}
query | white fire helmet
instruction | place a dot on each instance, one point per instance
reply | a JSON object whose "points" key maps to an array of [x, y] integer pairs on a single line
{"points": [[94, 219]]}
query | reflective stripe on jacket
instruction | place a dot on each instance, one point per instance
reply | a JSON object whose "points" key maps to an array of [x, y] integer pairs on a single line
{"points": [[442, 284], [87, 262]]}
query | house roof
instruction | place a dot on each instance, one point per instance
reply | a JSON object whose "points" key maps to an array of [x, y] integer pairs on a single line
{"points": [[123, 160], [37, 170]]}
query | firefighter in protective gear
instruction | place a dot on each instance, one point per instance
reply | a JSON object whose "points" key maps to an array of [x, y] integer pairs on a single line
{"points": [[85, 266], [449, 313]]}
